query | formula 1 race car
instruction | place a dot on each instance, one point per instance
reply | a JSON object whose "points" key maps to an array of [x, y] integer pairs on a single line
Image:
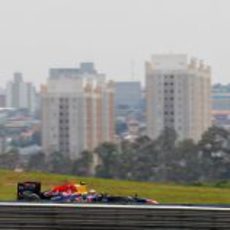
{"points": [[73, 193]]}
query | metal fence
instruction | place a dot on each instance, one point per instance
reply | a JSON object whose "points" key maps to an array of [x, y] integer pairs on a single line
{"points": [[39, 216]]}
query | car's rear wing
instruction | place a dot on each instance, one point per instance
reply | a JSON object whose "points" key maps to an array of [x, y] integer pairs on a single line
{"points": [[28, 186]]}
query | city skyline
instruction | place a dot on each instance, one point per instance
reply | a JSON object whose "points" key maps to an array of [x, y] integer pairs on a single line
{"points": [[117, 36]]}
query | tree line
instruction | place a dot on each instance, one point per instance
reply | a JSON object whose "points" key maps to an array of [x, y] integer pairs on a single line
{"points": [[163, 159]]}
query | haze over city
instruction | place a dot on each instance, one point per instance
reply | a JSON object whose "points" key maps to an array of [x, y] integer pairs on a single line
{"points": [[110, 108], [119, 36]]}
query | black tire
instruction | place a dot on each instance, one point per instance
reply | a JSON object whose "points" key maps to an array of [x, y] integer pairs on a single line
{"points": [[30, 196]]}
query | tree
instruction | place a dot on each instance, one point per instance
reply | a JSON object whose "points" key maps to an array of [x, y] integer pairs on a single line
{"points": [[126, 160], [166, 149], [214, 139], [144, 159], [37, 162], [214, 152], [185, 165], [108, 154], [83, 165], [59, 163], [9, 160]]}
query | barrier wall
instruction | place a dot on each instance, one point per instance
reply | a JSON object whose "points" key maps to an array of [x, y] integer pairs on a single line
{"points": [[49, 216]]}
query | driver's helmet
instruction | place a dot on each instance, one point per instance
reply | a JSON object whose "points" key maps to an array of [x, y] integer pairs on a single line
{"points": [[92, 191]]}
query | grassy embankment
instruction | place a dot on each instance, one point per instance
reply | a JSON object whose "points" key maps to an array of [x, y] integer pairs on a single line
{"points": [[164, 193]]}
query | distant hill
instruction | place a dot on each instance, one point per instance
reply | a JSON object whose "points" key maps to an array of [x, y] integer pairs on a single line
{"points": [[164, 193]]}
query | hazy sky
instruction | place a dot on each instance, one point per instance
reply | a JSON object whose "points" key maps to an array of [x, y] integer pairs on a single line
{"points": [[38, 34]]}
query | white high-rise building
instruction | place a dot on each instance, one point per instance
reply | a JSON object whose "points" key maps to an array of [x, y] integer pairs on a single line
{"points": [[77, 111], [20, 94], [178, 95]]}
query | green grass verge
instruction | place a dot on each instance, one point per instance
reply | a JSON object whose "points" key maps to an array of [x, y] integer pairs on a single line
{"points": [[164, 193]]}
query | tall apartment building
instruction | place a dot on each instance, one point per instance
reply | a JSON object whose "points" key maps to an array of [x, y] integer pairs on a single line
{"points": [[77, 111], [178, 95], [20, 94]]}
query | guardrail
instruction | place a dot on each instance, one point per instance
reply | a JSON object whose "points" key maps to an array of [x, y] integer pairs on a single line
{"points": [[47, 216]]}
